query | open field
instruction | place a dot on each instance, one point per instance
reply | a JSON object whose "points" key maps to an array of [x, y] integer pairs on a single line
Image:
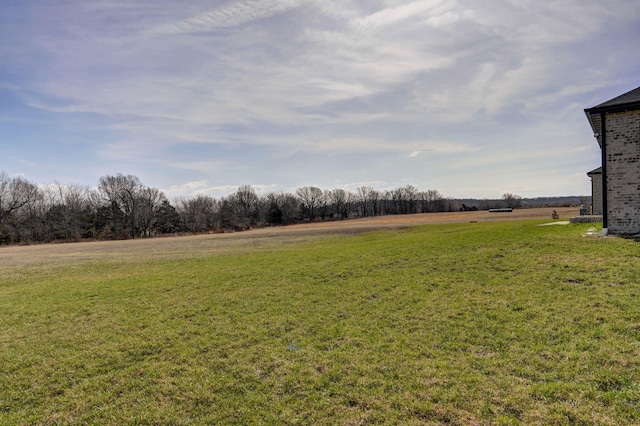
{"points": [[483, 321]]}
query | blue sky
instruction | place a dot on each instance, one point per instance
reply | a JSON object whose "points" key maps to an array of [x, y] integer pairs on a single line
{"points": [[473, 98]]}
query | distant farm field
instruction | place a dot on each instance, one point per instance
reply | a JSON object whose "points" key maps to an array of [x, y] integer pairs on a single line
{"points": [[476, 318]]}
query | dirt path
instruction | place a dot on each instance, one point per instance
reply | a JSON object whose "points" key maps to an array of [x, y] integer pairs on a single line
{"points": [[433, 218]]}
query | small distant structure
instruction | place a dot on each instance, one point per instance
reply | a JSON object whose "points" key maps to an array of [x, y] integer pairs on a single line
{"points": [[616, 127], [596, 190]]}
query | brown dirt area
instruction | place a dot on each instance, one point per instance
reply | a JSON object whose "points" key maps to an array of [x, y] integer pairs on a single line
{"points": [[395, 221], [187, 246]]}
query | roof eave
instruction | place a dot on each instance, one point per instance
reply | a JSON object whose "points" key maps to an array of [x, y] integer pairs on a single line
{"points": [[594, 128], [632, 106]]}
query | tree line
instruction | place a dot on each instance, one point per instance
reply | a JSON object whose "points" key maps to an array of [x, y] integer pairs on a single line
{"points": [[122, 207]]}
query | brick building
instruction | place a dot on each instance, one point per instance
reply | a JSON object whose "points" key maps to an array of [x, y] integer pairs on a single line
{"points": [[596, 191], [616, 126]]}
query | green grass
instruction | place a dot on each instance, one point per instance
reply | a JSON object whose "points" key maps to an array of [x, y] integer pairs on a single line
{"points": [[484, 323]]}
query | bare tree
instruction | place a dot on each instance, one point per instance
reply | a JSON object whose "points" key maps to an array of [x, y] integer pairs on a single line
{"points": [[149, 201], [375, 199], [247, 201], [341, 202], [121, 192], [32, 221], [73, 204], [410, 194], [281, 208], [311, 199], [198, 214], [15, 194], [240, 211], [363, 199], [337, 198], [512, 200], [397, 198], [432, 201]]}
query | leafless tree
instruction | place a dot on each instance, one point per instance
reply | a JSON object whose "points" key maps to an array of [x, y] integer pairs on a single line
{"points": [[149, 201], [15, 193], [247, 201], [375, 199], [362, 196], [199, 214], [311, 199], [397, 198], [512, 200], [410, 195], [240, 210], [121, 193], [281, 208], [341, 202], [32, 219], [73, 206], [432, 201]]}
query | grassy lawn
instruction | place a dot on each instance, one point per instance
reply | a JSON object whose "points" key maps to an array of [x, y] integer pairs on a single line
{"points": [[476, 323]]}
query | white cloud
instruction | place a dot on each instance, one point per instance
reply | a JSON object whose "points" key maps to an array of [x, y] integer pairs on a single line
{"points": [[344, 145], [204, 166], [191, 189], [233, 14], [186, 189], [394, 15]]}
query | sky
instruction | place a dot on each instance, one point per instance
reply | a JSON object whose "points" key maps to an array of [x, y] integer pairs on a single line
{"points": [[473, 98]]}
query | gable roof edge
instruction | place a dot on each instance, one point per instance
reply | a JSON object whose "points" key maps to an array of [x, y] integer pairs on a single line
{"points": [[628, 101]]}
